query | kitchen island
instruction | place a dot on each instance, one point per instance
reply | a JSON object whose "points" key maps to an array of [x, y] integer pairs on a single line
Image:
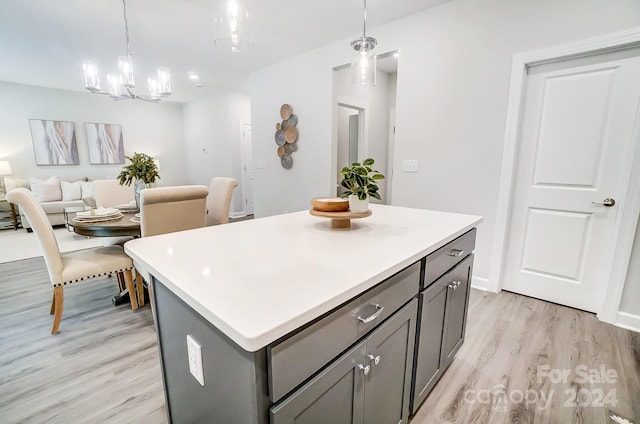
{"points": [[286, 311]]}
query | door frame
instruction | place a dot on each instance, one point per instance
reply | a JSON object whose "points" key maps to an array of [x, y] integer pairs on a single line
{"points": [[625, 226], [363, 135], [245, 166]]}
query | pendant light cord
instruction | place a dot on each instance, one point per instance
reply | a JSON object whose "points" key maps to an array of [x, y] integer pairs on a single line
{"points": [[364, 29], [126, 27]]}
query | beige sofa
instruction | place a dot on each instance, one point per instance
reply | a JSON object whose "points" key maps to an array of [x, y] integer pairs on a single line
{"points": [[72, 192]]}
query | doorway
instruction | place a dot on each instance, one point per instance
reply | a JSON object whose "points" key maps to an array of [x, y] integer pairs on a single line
{"points": [[370, 111], [247, 168], [571, 138], [350, 141]]}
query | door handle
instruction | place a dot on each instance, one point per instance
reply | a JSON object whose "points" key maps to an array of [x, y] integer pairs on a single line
{"points": [[608, 202]]}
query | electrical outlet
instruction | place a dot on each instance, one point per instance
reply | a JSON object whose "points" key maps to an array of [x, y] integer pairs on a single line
{"points": [[194, 353], [410, 166]]}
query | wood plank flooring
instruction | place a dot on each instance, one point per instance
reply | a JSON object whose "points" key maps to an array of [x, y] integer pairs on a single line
{"points": [[103, 367], [508, 370]]}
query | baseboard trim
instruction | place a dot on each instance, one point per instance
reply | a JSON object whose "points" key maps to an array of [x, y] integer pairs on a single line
{"points": [[628, 321], [480, 283]]}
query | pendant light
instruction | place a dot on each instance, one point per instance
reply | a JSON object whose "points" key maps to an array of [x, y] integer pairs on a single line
{"points": [[122, 84], [363, 64], [232, 25]]}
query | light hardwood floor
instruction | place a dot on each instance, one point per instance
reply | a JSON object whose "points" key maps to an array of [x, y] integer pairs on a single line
{"points": [[104, 366]]}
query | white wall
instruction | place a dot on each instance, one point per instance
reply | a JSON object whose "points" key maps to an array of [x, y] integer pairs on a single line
{"points": [[154, 129], [213, 124], [304, 82], [453, 80]]}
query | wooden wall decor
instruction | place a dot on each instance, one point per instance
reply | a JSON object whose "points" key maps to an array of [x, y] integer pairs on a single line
{"points": [[286, 136]]}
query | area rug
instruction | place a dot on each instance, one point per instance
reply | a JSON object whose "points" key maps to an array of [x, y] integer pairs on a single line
{"points": [[19, 244]]}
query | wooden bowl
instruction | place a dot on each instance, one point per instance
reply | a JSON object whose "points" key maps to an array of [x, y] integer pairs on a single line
{"points": [[330, 204]]}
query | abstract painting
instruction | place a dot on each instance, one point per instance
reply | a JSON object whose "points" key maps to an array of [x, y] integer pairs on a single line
{"points": [[105, 143], [54, 142]]}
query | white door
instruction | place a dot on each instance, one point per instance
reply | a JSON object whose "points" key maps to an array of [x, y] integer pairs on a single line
{"points": [[247, 176], [575, 137]]}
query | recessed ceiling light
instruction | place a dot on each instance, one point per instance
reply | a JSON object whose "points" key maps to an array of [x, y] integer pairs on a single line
{"points": [[193, 76]]}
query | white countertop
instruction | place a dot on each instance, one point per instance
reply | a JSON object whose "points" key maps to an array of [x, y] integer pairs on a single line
{"points": [[258, 280]]}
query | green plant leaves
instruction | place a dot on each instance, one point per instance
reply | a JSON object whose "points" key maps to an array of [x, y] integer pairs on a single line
{"points": [[360, 180], [142, 167]]}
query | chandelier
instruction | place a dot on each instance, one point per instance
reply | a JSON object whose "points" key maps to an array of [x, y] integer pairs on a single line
{"points": [[363, 64], [121, 85]]}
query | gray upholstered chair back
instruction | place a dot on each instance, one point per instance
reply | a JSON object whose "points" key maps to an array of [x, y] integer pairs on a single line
{"points": [[170, 209], [42, 228], [219, 200]]}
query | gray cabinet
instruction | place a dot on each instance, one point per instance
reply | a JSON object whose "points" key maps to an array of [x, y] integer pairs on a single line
{"points": [[441, 328], [455, 322], [370, 383]]}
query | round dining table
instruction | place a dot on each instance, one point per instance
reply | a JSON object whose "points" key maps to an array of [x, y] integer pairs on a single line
{"points": [[117, 228]]}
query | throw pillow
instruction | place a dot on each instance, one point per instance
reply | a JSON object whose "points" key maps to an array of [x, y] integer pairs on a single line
{"points": [[71, 191], [87, 189], [46, 191]]}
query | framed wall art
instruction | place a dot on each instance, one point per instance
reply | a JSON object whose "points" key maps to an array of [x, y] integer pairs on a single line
{"points": [[54, 142], [105, 143]]}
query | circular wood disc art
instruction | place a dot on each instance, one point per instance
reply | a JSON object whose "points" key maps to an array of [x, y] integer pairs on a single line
{"points": [[286, 161], [291, 134], [286, 136], [280, 138], [285, 111]]}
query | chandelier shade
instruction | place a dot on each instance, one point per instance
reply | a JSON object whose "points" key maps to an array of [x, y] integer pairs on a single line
{"points": [[232, 25], [121, 85], [363, 63]]}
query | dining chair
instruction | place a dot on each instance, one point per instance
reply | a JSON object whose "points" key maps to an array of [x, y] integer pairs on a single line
{"points": [[109, 193], [170, 209], [219, 200], [71, 267]]}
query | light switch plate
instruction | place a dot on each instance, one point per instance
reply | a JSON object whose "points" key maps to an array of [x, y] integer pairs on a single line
{"points": [[410, 166], [194, 353]]}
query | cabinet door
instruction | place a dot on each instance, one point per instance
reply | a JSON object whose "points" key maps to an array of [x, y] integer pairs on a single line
{"points": [[433, 303], [390, 355], [455, 322], [335, 395]]}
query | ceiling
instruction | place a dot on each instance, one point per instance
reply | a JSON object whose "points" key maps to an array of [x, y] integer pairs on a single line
{"points": [[43, 42]]}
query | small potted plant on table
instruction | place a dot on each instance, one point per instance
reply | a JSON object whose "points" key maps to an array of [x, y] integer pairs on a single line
{"points": [[143, 170], [360, 182]]}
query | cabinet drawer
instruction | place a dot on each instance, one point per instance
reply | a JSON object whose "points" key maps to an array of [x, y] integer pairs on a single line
{"points": [[448, 256], [294, 359]]}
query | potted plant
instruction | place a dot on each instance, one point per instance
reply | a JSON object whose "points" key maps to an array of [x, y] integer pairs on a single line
{"points": [[143, 170], [360, 182]]}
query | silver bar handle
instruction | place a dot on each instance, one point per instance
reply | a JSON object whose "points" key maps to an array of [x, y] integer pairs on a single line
{"points": [[373, 316], [456, 252]]}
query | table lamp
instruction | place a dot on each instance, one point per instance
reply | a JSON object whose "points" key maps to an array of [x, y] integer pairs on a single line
{"points": [[5, 169]]}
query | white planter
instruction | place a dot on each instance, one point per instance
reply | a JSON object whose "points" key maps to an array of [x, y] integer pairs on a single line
{"points": [[358, 206]]}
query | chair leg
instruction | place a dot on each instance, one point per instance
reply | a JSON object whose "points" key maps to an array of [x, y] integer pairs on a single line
{"points": [[120, 277], [128, 278], [57, 306], [53, 303], [140, 287]]}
